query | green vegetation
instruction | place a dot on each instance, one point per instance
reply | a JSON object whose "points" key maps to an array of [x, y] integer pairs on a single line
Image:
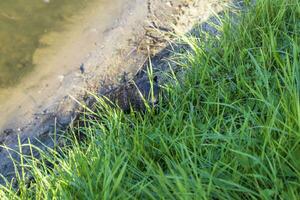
{"points": [[229, 130]]}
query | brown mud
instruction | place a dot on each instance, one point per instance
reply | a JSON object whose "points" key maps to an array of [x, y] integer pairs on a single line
{"points": [[142, 31]]}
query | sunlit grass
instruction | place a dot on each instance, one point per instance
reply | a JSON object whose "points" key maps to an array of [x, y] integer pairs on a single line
{"points": [[229, 130]]}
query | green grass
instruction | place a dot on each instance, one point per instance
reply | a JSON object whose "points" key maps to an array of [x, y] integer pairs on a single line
{"points": [[229, 130]]}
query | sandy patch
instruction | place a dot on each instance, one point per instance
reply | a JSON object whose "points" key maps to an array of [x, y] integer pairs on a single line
{"points": [[104, 44]]}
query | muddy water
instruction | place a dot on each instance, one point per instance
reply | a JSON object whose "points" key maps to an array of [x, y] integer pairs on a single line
{"points": [[43, 43], [22, 23]]}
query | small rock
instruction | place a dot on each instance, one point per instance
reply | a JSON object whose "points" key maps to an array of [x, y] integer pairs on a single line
{"points": [[82, 68], [61, 78]]}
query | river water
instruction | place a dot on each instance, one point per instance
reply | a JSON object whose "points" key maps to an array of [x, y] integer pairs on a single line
{"points": [[43, 43], [22, 24]]}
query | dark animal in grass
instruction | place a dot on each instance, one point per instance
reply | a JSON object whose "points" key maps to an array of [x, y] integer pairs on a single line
{"points": [[136, 95]]}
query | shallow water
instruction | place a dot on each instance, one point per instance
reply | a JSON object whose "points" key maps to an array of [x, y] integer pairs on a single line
{"points": [[22, 24], [61, 38]]}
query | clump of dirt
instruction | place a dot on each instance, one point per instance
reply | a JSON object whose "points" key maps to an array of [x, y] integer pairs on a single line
{"points": [[136, 95]]}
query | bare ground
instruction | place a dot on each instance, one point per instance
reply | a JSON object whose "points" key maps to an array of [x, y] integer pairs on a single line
{"points": [[141, 30]]}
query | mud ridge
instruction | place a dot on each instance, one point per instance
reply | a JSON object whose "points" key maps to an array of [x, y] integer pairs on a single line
{"points": [[151, 43]]}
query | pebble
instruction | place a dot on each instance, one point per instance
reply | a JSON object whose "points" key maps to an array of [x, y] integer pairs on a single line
{"points": [[61, 78], [82, 69]]}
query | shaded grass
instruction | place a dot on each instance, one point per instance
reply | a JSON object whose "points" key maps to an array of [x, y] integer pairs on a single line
{"points": [[229, 130]]}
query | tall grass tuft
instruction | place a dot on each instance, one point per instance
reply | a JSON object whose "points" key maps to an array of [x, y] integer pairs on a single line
{"points": [[229, 130]]}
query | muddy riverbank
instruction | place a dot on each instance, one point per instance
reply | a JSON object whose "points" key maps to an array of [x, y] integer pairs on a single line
{"points": [[94, 58], [57, 63]]}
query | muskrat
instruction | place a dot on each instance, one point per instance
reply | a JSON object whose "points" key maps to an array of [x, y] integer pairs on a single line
{"points": [[136, 94]]}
